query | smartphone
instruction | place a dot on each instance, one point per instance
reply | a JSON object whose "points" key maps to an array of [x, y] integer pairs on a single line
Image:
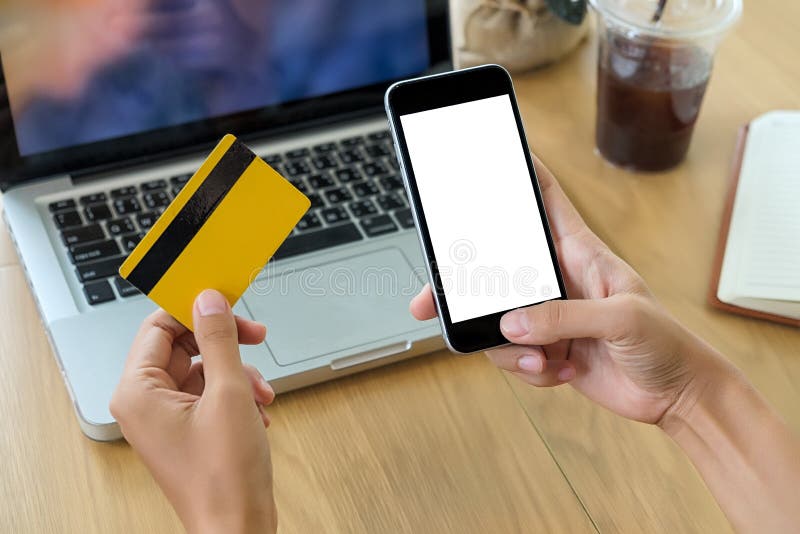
{"points": [[476, 201]]}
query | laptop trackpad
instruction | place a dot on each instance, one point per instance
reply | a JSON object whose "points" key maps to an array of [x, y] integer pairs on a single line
{"points": [[336, 306]]}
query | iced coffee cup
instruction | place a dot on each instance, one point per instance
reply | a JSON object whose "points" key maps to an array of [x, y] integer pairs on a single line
{"points": [[654, 63]]}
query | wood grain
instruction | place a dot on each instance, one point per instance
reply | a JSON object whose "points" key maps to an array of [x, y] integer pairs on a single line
{"points": [[437, 444]]}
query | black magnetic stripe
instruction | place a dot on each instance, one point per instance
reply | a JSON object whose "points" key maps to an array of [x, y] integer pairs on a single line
{"points": [[191, 217]]}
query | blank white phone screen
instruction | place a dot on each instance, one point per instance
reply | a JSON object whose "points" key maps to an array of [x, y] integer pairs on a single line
{"points": [[484, 223]]}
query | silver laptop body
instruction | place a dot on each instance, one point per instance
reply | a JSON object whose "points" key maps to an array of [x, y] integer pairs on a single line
{"points": [[335, 297]]}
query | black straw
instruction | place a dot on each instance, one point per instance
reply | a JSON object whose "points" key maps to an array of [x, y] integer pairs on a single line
{"points": [[659, 10]]}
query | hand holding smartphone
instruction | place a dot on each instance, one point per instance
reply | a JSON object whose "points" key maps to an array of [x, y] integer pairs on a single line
{"points": [[476, 201]]}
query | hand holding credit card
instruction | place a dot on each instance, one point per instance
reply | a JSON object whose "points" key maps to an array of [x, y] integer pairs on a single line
{"points": [[218, 232]]}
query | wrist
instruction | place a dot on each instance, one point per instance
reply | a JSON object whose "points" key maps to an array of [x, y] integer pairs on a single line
{"points": [[241, 521], [740, 446], [713, 380]]}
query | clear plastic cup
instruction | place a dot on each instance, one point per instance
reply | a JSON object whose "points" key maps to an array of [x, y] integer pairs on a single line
{"points": [[652, 73]]}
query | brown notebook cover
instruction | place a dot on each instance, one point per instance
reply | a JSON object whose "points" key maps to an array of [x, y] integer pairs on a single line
{"points": [[723, 240]]}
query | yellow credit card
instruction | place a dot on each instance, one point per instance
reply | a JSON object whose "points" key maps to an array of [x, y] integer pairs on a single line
{"points": [[218, 232]]}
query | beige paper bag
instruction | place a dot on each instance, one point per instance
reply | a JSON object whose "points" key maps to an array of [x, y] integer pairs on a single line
{"points": [[518, 34]]}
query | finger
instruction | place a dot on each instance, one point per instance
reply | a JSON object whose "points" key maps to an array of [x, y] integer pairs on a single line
{"points": [[530, 365], [558, 350], [179, 364], [217, 339], [555, 320], [564, 219], [152, 346], [262, 391], [556, 372], [195, 381], [249, 332], [185, 347], [264, 416], [422, 306], [518, 358]]}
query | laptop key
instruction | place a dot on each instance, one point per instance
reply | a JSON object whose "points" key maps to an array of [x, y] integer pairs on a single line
{"points": [[318, 240], [272, 159], [156, 199], [338, 195], [334, 215], [350, 156], [365, 189], [316, 200], [180, 180], [352, 141], [82, 234], [390, 202], [127, 191], [125, 288], [125, 206], [298, 153], [347, 175], [94, 198], [66, 219], [379, 136], [129, 241], [146, 219], [59, 205], [94, 251], [153, 185], [97, 212], [323, 148], [323, 162], [318, 181], [391, 182], [296, 168], [99, 269], [299, 184], [308, 222], [98, 292], [378, 225], [374, 169], [405, 218], [120, 226], [362, 208], [377, 151]]}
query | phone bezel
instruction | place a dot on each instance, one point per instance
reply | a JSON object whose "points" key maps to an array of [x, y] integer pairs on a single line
{"points": [[448, 89]]}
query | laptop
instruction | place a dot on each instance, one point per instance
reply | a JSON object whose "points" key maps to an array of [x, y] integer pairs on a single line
{"points": [[98, 137]]}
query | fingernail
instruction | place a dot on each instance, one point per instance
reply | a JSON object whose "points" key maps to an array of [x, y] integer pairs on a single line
{"points": [[531, 364], [211, 302], [264, 385], [514, 323], [566, 374]]}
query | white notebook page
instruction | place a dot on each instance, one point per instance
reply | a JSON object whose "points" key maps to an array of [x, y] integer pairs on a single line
{"points": [[762, 257]]}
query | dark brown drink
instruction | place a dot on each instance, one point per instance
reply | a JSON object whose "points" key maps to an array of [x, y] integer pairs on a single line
{"points": [[648, 96]]}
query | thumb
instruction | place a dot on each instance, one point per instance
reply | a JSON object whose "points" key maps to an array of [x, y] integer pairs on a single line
{"points": [[217, 338], [554, 320]]}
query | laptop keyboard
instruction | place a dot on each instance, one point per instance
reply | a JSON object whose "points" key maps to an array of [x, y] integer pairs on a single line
{"points": [[354, 185]]}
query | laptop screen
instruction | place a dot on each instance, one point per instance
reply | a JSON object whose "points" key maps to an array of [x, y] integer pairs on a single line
{"points": [[109, 70]]}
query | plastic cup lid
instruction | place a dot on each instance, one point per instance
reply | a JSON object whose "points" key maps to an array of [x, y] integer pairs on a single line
{"points": [[680, 19]]}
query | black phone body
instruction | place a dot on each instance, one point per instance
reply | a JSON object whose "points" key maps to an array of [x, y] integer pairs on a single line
{"points": [[476, 201]]}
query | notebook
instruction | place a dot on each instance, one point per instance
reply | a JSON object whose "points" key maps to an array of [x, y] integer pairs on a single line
{"points": [[757, 269]]}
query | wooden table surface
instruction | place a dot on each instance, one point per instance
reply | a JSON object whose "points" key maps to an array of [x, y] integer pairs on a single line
{"points": [[445, 443]]}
